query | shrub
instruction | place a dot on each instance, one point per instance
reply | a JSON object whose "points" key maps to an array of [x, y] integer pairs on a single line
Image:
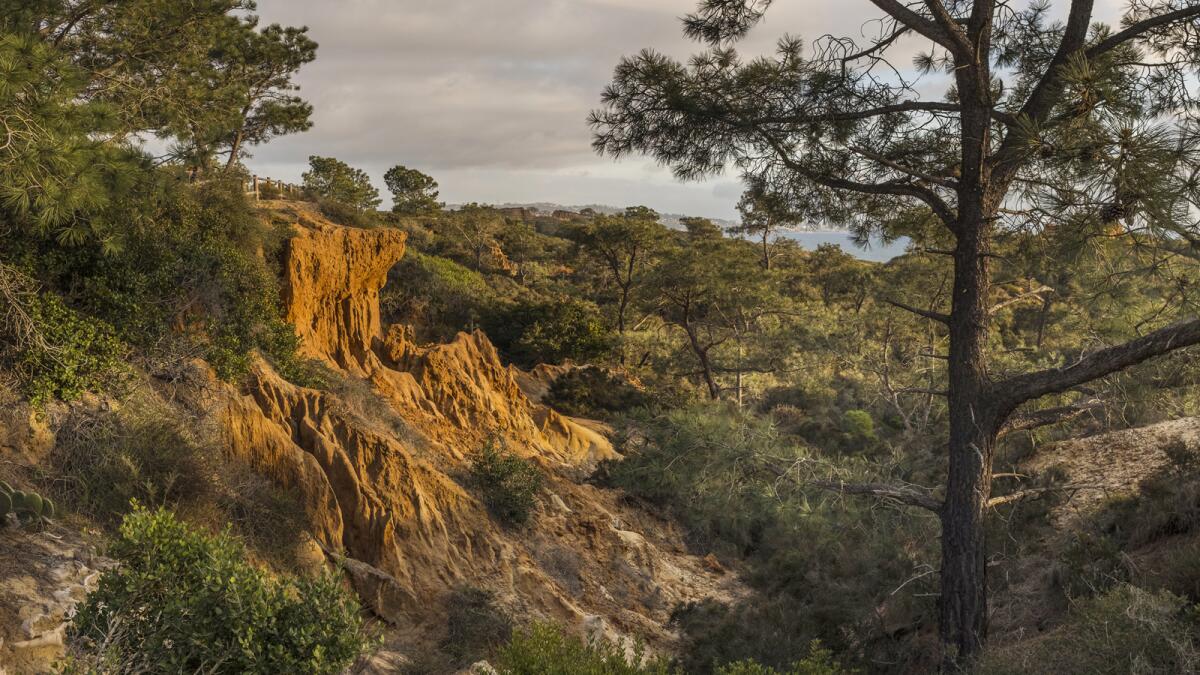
{"points": [[110, 459], [822, 564], [1090, 564], [818, 662], [344, 214], [544, 649], [555, 331], [508, 484], [859, 425], [1126, 630], [593, 392], [75, 354], [476, 626], [185, 601]]}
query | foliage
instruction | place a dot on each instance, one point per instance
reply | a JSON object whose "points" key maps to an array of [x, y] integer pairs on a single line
{"points": [[544, 649], [594, 392], [1126, 630], [412, 191], [624, 245], [56, 352], [819, 662], [508, 484], [333, 179], [822, 563], [551, 332], [475, 626], [260, 64], [185, 601]]}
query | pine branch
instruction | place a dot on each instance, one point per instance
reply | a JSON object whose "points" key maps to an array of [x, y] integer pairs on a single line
{"points": [[1142, 27], [1017, 390], [928, 314]]}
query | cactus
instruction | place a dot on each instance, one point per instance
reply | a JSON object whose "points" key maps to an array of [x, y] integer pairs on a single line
{"points": [[48, 508], [5, 506], [6, 488]]}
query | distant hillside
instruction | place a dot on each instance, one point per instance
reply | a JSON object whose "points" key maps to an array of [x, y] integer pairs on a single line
{"points": [[809, 239]]}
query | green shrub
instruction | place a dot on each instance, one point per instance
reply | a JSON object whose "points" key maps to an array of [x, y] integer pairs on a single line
{"points": [[544, 649], [184, 601], [553, 332], [475, 626], [859, 425], [350, 216], [199, 267], [593, 392], [822, 564], [76, 354], [1126, 630], [1090, 564], [818, 662], [508, 484]]}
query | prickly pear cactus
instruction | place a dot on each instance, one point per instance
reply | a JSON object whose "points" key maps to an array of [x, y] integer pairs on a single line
{"points": [[6, 506]]}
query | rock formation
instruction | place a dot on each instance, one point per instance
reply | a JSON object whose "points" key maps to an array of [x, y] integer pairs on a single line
{"points": [[386, 499]]}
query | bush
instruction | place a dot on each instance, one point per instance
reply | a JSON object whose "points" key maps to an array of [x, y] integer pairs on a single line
{"points": [[818, 662], [823, 564], [75, 353], [184, 601], [544, 649], [1126, 630], [110, 459], [553, 332], [508, 484], [195, 268], [593, 392], [343, 214], [859, 425], [476, 626]]}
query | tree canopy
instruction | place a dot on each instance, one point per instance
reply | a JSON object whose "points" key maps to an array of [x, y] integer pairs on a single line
{"points": [[330, 178], [413, 192]]}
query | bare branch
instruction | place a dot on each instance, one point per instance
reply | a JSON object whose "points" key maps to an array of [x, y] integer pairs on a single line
{"points": [[1049, 416], [904, 495], [1037, 492], [1035, 293]]}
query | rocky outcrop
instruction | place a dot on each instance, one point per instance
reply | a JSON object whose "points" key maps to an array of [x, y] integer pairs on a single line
{"points": [[331, 292], [386, 496], [43, 576]]}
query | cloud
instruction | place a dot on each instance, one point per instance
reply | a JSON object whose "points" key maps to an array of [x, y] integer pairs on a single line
{"points": [[499, 90]]}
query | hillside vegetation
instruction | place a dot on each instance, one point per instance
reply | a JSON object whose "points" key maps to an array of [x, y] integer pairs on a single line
{"points": [[292, 432]]}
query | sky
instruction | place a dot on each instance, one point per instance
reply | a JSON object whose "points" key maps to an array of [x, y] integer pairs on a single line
{"points": [[491, 97]]}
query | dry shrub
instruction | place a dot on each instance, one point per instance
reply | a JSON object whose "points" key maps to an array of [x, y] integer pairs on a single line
{"points": [[1126, 630]]}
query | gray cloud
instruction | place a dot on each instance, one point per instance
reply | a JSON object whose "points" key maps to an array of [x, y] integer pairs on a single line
{"points": [[491, 96]]}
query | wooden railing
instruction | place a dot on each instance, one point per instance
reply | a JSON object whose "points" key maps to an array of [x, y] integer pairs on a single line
{"points": [[255, 185]]}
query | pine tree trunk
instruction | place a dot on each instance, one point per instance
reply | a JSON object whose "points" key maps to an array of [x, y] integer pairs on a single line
{"points": [[974, 424]]}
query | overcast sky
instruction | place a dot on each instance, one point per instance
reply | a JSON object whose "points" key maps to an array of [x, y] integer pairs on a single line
{"points": [[491, 96]]}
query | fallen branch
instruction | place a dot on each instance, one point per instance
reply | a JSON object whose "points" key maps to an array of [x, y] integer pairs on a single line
{"points": [[1037, 492]]}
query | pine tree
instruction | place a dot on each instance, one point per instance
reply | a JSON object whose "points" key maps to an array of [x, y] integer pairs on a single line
{"points": [[1046, 128]]}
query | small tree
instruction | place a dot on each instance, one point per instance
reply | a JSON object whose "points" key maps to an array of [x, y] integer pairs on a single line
{"points": [[262, 63], [711, 288], [763, 212], [329, 178], [412, 191], [625, 245]]}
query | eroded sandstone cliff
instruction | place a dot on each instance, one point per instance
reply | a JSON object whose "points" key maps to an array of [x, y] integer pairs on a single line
{"points": [[389, 502]]}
